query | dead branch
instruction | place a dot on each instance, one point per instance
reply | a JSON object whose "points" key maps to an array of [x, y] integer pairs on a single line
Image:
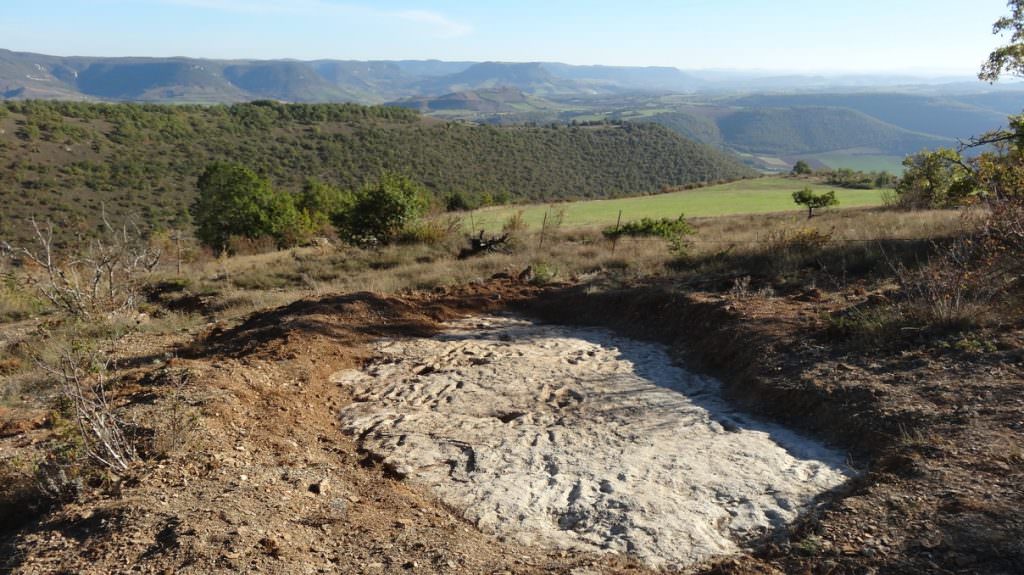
{"points": [[482, 245]]}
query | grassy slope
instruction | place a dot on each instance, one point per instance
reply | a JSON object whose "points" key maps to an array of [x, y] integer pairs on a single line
{"points": [[747, 196]]}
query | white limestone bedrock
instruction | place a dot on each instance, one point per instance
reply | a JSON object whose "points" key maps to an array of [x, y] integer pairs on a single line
{"points": [[577, 438]]}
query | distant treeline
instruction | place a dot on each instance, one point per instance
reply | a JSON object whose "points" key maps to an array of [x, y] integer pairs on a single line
{"points": [[67, 162]]}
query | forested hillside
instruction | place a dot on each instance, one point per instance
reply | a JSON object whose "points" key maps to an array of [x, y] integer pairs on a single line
{"points": [[808, 129], [947, 116], [699, 128], [69, 161]]}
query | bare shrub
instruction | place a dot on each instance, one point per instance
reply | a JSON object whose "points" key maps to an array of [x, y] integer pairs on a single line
{"points": [[1004, 235], [955, 287], [105, 277], [515, 224], [175, 422], [84, 378]]}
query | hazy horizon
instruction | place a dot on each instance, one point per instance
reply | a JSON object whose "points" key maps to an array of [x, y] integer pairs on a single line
{"points": [[915, 37]]}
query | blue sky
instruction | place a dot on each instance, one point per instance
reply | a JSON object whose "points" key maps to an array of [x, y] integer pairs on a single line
{"points": [[782, 35]]}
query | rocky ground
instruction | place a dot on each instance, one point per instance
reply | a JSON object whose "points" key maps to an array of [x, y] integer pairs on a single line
{"points": [[256, 474], [575, 438]]}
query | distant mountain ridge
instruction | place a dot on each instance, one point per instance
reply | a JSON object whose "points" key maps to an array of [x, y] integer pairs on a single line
{"points": [[486, 101], [26, 75]]}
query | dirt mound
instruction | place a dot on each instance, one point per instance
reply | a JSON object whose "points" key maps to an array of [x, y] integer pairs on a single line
{"points": [[265, 481]]}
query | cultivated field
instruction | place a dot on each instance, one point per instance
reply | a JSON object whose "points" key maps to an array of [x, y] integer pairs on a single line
{"points": [[760, 195]]}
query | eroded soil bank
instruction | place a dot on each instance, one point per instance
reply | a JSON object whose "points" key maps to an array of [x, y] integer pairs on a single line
{"points": [[577, 438]]}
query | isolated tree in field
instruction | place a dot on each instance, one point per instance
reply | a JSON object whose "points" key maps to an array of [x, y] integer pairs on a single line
{"points": [[802, 168], [381, 210], [807, 197], [234, 201]]}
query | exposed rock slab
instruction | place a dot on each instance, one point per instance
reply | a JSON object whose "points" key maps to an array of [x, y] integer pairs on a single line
{"points": [[577, 438]]}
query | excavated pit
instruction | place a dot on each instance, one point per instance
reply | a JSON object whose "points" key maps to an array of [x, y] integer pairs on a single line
{"points": [[577, 438]]}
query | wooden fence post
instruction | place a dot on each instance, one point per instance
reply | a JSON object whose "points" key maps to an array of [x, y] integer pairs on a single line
{"points": [[615, 237], [543, 225]]}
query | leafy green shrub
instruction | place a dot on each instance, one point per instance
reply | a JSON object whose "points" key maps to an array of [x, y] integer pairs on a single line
{"points": [[320, 202], [380, 211], [938, 179], [234, 201], [457, 202], [675, 231], [543, 273]]}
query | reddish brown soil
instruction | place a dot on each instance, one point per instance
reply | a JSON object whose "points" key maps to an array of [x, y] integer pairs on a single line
{"points": [[264, 481]]}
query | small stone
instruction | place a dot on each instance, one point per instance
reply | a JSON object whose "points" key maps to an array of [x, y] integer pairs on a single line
{"points": [[320, 487]]}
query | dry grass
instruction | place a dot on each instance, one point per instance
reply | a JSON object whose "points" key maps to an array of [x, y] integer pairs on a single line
{"points": [[278, 277], [761, 252], [722, 246], [842, 225], [784, 251]]}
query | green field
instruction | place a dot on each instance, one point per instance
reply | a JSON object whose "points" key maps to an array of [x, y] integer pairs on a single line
{"points": [[746, 196]]}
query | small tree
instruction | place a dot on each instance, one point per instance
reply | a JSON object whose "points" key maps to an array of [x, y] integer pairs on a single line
{"points": [[234, 201], [807, 197], [938, 179], [381, 210], [802, 168]]}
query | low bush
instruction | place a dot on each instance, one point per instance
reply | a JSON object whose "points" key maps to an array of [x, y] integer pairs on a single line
{"points": [[674, 231]]}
